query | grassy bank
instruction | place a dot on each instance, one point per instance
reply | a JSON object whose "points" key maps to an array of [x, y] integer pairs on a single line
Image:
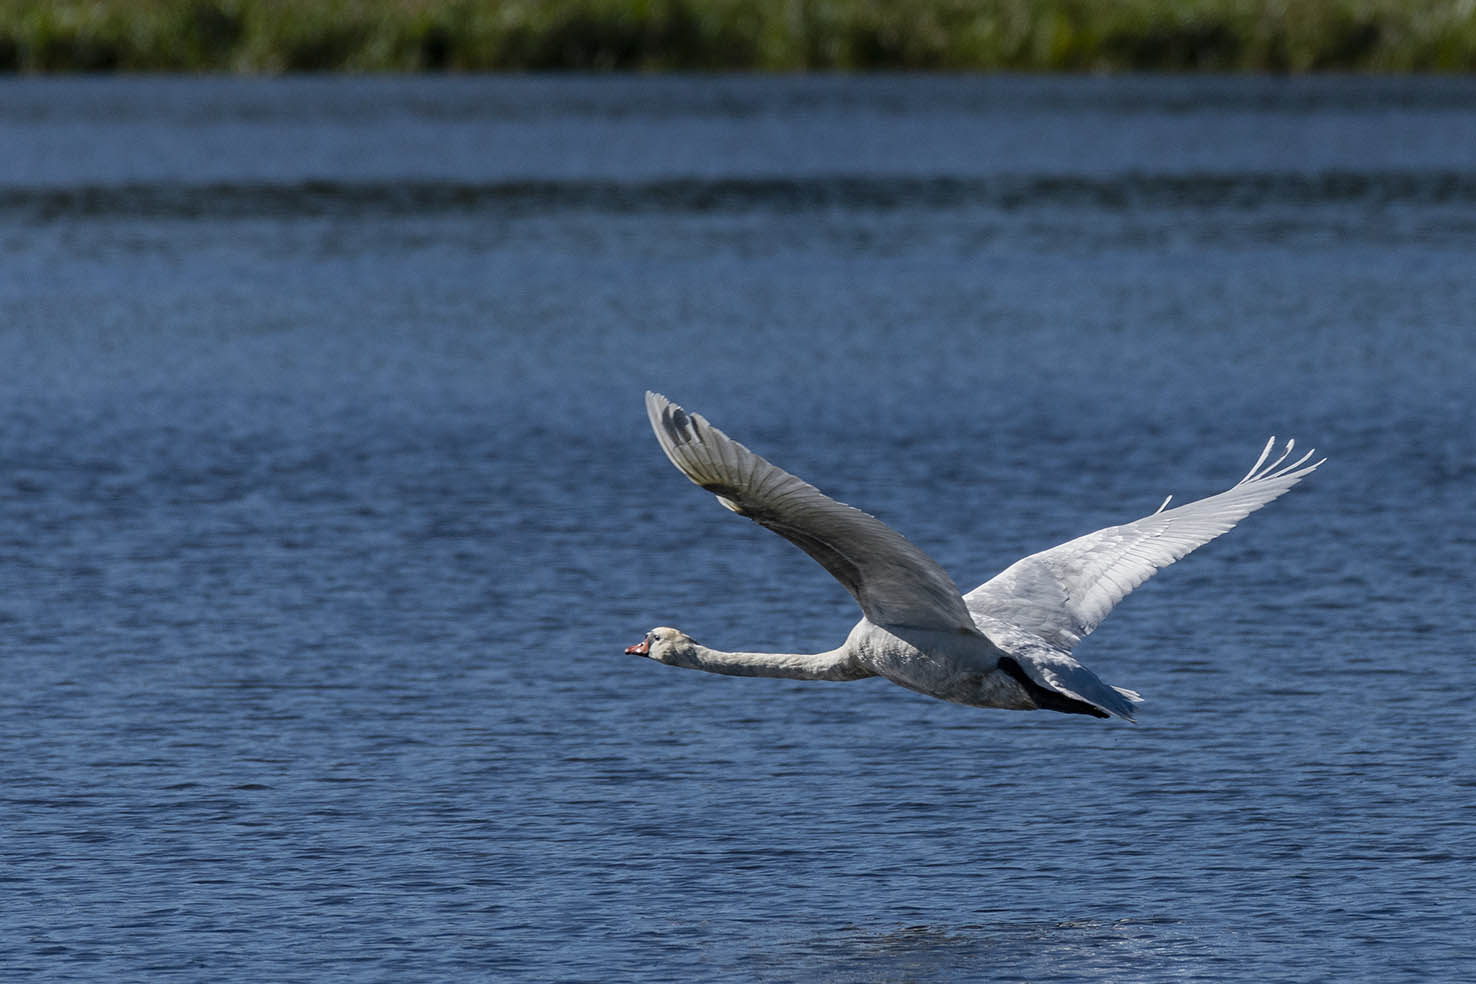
{"points": [[764, 35]]}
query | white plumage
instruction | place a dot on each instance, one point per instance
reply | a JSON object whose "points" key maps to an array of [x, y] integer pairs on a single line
{"points": [[1063, 593]]}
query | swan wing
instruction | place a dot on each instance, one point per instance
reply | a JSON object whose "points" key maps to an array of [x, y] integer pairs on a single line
{"points": [[1063, 593], [893, 581]]}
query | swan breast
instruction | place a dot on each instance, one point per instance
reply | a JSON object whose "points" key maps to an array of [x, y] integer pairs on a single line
{"points": [[959, 666]]}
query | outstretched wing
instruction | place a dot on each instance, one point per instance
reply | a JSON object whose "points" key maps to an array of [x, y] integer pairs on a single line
{"points": [[1063, 593], [893, 581]]}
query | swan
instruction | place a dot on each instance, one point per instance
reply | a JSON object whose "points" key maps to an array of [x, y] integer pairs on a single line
{"points": [[1007, 643]]}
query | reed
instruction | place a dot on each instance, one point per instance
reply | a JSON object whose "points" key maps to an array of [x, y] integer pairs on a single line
{"points": [[269, 36]]}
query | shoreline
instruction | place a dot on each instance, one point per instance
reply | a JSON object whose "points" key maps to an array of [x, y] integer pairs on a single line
{"points": [[267, 37]]}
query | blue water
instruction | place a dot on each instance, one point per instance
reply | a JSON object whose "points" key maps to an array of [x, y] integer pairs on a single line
{"points": [[328, 505]]}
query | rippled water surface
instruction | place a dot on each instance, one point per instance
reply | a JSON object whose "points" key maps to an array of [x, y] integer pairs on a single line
{"points": [[328, 505]]}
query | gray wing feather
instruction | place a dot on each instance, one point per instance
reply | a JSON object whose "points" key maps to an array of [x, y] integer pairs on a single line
{"points": [[893, 581], [1062, 594]]}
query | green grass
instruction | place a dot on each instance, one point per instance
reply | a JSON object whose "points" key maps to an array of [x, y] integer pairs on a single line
{"points": [[266, 36]]}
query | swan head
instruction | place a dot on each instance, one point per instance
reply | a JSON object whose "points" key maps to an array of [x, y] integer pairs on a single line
{"points": [[665, 645]]}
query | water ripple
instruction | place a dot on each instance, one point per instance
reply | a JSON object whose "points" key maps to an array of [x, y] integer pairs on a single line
{"points": [[237, 200]]}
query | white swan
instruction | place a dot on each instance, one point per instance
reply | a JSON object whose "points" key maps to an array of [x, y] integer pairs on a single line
{"points": [[1007, 643]]}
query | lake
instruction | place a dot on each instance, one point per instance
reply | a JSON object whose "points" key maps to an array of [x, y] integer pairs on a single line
{"points": [[328, 505]]}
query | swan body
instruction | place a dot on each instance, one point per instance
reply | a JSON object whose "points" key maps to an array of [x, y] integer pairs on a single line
{"points": [[1007, 643]]}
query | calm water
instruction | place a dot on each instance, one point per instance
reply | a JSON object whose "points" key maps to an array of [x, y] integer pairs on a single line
{"points": [[327, 506]]}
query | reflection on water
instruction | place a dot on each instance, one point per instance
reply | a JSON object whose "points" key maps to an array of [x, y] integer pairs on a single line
{"points": [[1002, 950]]}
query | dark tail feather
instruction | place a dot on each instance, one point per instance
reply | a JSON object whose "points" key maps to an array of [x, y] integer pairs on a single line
{"points": [[1045, 699]]}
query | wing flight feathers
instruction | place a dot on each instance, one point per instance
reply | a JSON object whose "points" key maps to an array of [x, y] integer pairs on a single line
{"points": [[1062, 594], [893, 581]]}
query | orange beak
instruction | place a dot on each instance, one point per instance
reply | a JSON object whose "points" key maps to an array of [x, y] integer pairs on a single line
{"points": [[642, 648]]}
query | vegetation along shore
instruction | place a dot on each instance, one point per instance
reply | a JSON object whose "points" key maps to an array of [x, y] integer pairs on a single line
{"points": [[268, 36]]}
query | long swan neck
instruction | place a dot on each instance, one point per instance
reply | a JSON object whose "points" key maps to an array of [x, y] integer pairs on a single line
{"points": [[837, 664]]}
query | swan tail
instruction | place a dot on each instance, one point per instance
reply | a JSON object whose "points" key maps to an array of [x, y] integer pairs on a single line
{"points": [[1056, 682]]}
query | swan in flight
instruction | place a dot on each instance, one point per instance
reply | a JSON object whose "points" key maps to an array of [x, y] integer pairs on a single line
{"points": [[1005, 644]]}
